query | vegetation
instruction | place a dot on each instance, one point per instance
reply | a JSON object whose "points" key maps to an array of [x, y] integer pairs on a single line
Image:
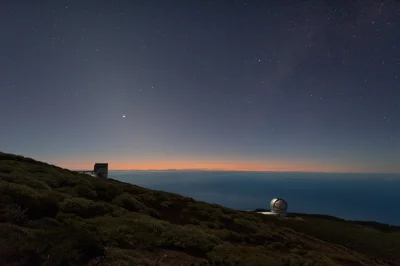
{"points": [[52, 216]]}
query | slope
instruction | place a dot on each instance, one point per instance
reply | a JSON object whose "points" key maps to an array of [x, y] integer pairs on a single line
{"points": [[52, 216]]}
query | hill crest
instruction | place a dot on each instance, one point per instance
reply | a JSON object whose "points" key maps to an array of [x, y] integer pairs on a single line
{"points": [[53, 216]]}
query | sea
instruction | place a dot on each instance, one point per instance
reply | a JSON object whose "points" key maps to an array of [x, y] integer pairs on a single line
{"points": [[365, 197]]}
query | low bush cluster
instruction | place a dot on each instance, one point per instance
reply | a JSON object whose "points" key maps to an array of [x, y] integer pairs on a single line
{"points": [[130, 203], [85, 208], [52, 216]]}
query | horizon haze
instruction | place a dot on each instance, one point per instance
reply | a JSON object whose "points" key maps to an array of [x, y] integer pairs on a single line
{"points": [[257, 85]]}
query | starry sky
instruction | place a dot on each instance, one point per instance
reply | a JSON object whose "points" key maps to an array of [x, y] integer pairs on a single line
{"points": [[201, 84]]}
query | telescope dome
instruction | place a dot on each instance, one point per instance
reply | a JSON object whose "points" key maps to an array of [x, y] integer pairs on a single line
{"points": [[278, 205]]}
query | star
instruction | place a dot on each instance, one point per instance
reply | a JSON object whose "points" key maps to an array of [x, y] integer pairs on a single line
{"points": [[308, 70]]}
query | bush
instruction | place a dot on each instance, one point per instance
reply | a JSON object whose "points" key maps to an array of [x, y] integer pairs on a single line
{"points": [[166, 204], [194, 221], [30, 193], [84, 208], [246, 225], [210, 225], [147, 198], [12, 213], [43, 223], [298, 262], [135, 233], [278, 246], [228, 235], [106, 191], [154, 213], [7, 169], [18, 246], [72, 246], [36, 206], [228, 254], [84, 191], [132, 189], [189, 238], [128, 202], [47, 206]]}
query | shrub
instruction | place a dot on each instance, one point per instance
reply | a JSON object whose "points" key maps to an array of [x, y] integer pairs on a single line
{"points": [[166, 204], [278, 246], [33, 183], [295, 261], [147, 198], [132, 189], [43, 223], [7, 169], [128, 202], [73, 246], [208, 224], [154, 213], [18, 246], [231, 236], [246, 225], [30, 193], [118, 211], [194, 221], [189, 238], [228, 254], [106, 191], [12, 213], [48, 206], [36, 206], [203, 214], [84, 208], [84, 191], [139, 233]]}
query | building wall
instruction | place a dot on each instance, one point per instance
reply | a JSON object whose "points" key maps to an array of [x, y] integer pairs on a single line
{"points": [[101, 170]]}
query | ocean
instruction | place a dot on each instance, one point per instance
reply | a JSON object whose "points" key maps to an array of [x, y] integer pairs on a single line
{"points": [[367, 197]]}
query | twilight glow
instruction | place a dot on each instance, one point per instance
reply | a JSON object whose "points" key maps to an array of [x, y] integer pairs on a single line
{"points": [[229, 85]]}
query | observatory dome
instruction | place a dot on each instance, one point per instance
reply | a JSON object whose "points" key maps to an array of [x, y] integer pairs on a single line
{"points": [[278, 205]]}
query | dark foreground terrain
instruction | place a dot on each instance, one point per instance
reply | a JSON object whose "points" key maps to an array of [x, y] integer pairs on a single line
{"points": [[52, 216]]}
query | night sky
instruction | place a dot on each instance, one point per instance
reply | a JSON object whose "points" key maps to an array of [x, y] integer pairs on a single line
{"points": [[242, 85]]}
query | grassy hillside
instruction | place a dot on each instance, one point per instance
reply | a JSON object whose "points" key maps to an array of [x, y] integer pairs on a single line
{"points": [[52, 216]]}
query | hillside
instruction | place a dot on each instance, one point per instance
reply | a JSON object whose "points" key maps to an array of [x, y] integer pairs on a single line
{"points": [[52, 216]]}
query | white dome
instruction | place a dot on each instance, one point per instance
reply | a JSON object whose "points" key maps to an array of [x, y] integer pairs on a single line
{"points": [[278, 205]]}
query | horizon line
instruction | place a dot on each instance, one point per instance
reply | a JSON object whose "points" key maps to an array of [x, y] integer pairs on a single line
{"points": [[259, 171]]}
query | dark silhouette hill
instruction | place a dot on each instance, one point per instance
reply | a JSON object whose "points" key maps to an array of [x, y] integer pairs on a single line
{"points": [[53, 216]]}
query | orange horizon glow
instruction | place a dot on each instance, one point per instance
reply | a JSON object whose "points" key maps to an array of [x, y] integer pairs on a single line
{"points": [[226, 166]]}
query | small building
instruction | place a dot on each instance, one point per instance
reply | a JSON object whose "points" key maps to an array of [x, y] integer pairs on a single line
{"points": [[278, 207], [101, 170]]}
